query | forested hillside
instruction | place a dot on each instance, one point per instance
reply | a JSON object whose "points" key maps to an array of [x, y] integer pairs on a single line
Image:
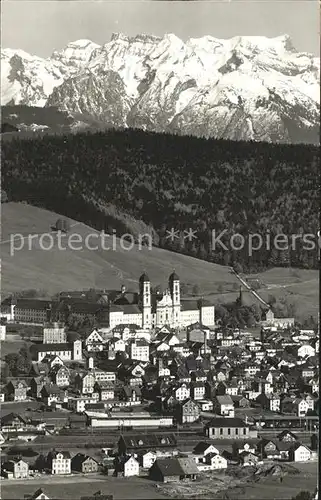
{"points": [[169, 181]]}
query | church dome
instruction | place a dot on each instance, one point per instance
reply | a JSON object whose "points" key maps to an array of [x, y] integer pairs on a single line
{"points": [[174, 277], [144, 278]]}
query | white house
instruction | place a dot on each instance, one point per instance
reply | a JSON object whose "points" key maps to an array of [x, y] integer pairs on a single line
{"points": [[79, 404], [197, 391], [172, 340], [232, 389], [94, 341], [139, 350], [162, 346], [275, 402], [84, 382], [298, 406], [131, 467], [52, 360], [300, 453], [60, 462], [147, 459], [162, 370], [306, 351], [216, 461], [314, 384], [182, 392], [224, 405], [207, 457], [302, 407], [201, 450], [311, 401], [117, 344]]}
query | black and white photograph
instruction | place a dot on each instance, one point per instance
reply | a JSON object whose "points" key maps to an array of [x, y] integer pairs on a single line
{"points": [[160, 249]]}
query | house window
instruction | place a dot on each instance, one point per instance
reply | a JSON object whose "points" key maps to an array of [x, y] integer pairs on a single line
{"points": [[244, 430], [229, 432], [221, 432], [236, 432]]}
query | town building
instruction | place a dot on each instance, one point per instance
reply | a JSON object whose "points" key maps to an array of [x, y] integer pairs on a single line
{"points": [[131, 467], [84, 464], [60, 375], [59, 462], [69, 351], [149, 310], [139, 350], [270, 321], [94, 341], [173, 469], [224, 406], [16, 390], [15, 469], [54, 333], [299, 453], [187, 411], [228, 428], [128, 445]]}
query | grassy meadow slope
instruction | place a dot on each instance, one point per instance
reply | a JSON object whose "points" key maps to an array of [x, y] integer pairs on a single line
{"points": [[57, 270]]}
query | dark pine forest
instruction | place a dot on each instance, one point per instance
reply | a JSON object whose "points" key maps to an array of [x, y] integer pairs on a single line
{"points": [[170, 181]]}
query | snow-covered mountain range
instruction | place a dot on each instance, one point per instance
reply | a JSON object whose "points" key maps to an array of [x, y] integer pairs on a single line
{"points": [[243, 88]]}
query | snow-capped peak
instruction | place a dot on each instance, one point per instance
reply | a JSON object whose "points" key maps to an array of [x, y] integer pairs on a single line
{"points": [[142, 37], [243, 87], [77, 53]]}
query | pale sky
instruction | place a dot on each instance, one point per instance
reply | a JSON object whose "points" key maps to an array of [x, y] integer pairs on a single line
{"points": [[41, 26]]}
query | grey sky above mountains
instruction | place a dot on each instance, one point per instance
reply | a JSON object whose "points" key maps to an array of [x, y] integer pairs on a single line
{"points": [[40, 27]]}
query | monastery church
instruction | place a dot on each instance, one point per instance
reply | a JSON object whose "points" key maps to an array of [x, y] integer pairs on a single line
{"points": [[153, 310]]}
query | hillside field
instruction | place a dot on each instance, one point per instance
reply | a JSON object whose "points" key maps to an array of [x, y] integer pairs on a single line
{"points": [[55, 270]]}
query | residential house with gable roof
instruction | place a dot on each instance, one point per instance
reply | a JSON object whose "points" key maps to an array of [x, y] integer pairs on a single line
{"points": [[15, 469], [187, 411], [84, 464], [174, 469], [59, 462], [224, 405]]}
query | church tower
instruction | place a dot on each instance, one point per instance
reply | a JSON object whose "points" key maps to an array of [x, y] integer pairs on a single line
{"points": [[176, 298], [145, 297]]}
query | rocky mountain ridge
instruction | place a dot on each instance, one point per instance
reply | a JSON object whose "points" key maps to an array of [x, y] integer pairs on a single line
{"points": [[244, 88]]}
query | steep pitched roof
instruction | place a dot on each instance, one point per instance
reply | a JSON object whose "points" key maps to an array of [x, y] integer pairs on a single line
{"points": [[176, 466], [201, 447], [7, 419], [36, 304], [53, 454], [79, 459], [37, 494], [224, 400]]}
